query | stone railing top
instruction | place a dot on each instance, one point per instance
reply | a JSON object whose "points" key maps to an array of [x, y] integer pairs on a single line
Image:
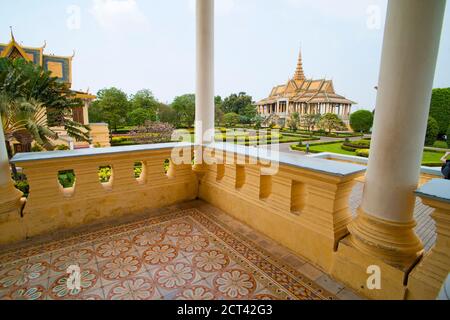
{"points": [[434, 171], [319, 165], [55, 155], [436, 189]]}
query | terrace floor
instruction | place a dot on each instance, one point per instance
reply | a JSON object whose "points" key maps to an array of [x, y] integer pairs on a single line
{"points": [[188, 251]]}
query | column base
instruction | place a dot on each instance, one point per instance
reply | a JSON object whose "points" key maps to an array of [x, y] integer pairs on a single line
{"points": [[394, 243], [350, 266], [12, 228]]}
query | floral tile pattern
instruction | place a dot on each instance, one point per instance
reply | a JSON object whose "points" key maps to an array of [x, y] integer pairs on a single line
{"points": [[185, 254]]}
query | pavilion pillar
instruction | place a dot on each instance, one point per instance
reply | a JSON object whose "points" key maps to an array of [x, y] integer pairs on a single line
{"points": [[384, 227], [204, 101]]}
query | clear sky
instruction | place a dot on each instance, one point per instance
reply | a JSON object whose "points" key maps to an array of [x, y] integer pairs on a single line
{"points": [[135, 44]]}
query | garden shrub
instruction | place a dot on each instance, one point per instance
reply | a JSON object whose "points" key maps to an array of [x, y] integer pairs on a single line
{"points": [[355, 145], [21, 183], [66, 178], [138, 168], [104, 174], [36, 148], [117, 140], [231, 119], [348, 148], [361, 121], [440, 144], [432, 131], [62, 147], [363, 153]]}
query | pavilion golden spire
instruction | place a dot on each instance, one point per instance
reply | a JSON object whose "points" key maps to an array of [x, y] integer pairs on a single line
{"points": [[299, 73]]}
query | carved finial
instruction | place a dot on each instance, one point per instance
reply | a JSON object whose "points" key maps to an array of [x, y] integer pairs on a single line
{"points": [[73, 54], [45, 45], [12, 34]]}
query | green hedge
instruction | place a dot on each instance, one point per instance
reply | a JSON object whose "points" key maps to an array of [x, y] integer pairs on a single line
{"points": [[362, 153], [440, 144], [356, 145]]}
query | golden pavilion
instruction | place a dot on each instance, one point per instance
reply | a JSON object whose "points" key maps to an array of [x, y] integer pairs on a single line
{"points": [[60, 67], [304, 96]]}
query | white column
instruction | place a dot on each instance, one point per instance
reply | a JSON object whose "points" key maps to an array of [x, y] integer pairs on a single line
{"points": [[407, 72], [385, 222], [204, 106]]}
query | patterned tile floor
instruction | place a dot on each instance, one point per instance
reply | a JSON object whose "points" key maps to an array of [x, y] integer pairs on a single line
{"points": [[190, 251]]}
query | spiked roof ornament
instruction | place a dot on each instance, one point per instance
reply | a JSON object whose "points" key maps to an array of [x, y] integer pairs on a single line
{"points": [[12, 34], [299, 72]]}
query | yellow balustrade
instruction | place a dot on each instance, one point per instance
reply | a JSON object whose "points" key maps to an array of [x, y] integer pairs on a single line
{"points": [[301, 207], [426, 279], [50, 207]]}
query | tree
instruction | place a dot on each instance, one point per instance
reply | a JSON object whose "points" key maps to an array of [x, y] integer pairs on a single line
{"points": [[432, 131], [33, 101], [309, 121], [440, 108], [184, 107], [237, 103], [330, 122], [231, 119], [218, 113], [111, 106], [294, 121], [448, 136], [167, 114], [248, 114], [361, 121], [258, 121], [144, 99], [139, 116]]}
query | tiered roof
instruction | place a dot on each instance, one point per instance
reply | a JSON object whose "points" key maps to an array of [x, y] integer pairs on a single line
{"points": [[60, 66], [300, 89]]}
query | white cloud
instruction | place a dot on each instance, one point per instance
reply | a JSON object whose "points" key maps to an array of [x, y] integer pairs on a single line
{"points": [[118, 15], [221, 7]]}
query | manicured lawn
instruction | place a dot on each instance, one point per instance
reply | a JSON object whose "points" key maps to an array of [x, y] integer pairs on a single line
{"points": [[334, 148], [432, 157], [429, 157]]}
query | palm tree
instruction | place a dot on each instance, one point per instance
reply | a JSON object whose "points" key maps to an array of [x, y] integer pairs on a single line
{"points": [[26, 121], [32, 101]]}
